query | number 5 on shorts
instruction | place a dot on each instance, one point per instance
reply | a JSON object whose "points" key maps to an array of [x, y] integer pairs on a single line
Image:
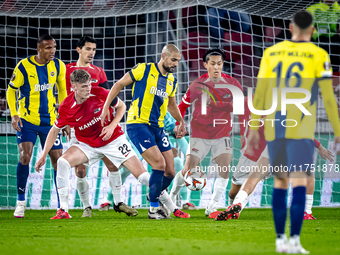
{"points": [[57, 141]]}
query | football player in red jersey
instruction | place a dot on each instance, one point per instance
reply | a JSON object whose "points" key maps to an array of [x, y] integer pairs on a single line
{"points": [[82, 109], [205, 136], [86, 48]]}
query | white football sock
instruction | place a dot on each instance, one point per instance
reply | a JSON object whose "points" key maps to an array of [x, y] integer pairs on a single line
{"points": [[230, 201], [165, 199], [115, 181], [219, 188], [144, 179], [177, 184], [241, 197], [63, 182], [83, 191], [309, 204]]}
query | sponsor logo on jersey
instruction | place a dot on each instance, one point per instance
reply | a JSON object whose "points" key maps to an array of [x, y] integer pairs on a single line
{"points": [[79, 118], [97, 110], [153, 76], [159, 92], [194, 150], [90, 123], [13, 77], [94, 81], [52, 73], [226, 96], [43, 87]]}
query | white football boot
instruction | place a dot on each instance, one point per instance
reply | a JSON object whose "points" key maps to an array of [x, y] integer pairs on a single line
{"points": [[210, 209], [20, 209], [281, 244], [295, 247]]}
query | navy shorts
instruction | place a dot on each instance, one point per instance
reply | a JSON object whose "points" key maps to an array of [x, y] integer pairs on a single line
{"points": [[29, 133], [291, 155], [144, 137]]}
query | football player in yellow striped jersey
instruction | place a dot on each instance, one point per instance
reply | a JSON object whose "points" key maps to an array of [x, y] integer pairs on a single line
{"points": [[288, 66], [36, 78], [153, 93]]}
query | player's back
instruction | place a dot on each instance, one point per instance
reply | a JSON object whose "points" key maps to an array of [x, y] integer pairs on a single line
{"points": [[293, 65]]}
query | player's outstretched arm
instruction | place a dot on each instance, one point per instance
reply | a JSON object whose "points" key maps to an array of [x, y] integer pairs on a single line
{"points": [[123, 82], [108, 130], [331, 106], [174, 111], [51, 137]]}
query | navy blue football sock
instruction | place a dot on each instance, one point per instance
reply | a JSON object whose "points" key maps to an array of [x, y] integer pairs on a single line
{"points": [[279, 202], [22, 176], [56, 188], [166, 182], [155, 186], [297, 210]]}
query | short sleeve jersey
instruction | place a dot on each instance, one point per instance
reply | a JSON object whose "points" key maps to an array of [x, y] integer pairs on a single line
{"points": [[98, 75], [150, 94], [85, 117]]}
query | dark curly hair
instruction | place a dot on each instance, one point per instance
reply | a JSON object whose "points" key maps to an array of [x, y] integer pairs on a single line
{"points": [[213, 52]]}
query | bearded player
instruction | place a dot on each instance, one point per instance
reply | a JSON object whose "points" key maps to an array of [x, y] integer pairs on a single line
{"points": [[82, 109]]}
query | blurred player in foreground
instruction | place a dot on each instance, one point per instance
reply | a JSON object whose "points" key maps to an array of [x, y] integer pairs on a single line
{"points": [[253, 168], [301, 67], [86, 48], [153, 92], [35, 77]]}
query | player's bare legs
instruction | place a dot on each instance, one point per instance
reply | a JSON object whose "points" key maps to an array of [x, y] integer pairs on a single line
{"points": [[136, 168], [221, 183], [191, 161], [154, 158]]}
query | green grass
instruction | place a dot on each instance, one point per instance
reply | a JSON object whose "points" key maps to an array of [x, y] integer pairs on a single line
{"points": [[113, 233]]}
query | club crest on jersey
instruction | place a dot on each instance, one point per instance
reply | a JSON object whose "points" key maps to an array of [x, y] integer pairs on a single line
{"points": [[97, 110], [170, 83], [52, 73], [94, 81]]}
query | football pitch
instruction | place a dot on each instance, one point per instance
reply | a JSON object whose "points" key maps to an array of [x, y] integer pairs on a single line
{"points": [[114, 233]]}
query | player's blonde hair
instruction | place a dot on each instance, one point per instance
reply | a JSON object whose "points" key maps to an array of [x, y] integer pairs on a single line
{"points": [[80, 76]]}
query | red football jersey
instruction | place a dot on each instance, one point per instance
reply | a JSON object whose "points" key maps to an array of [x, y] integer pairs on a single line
{"points": [[85, 117], [245, 131], [97, 74], [219, 108]]}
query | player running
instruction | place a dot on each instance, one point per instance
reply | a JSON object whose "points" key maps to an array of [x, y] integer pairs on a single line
{"points": [[86, 48], [82, 109], [153, 92], [35, 77], [296, 64], [205, 136]]}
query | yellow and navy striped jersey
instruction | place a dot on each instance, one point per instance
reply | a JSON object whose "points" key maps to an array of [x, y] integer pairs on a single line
{"points": [[36, 84], [292, 65], [150, 94]]}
